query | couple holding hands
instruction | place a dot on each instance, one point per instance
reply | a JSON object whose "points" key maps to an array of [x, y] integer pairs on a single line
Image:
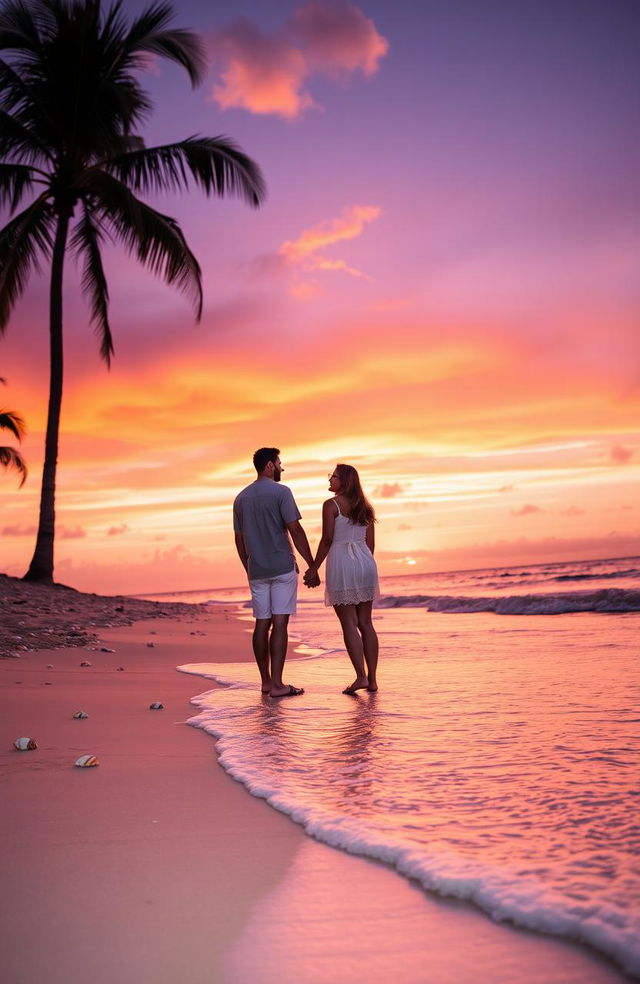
{"points": [[265, 521]]}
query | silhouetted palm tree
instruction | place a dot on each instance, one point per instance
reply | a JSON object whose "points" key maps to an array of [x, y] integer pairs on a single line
{"points": [[69, 105], [9, 457]]}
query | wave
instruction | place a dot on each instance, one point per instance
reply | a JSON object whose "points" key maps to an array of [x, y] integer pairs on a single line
{"points": [[606, 575], [505, 896], [606, 600]]}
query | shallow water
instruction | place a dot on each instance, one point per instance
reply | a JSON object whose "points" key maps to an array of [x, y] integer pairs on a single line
{"points": [[497, 764]]}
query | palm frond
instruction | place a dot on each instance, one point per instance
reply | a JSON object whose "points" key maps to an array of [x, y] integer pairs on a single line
{"points": [[10, 458], [20, 142], [147, 34], [22, 241], [86, 241], [15, 180], [19, 27], [216, 164], [156, 239], [13, 422]]}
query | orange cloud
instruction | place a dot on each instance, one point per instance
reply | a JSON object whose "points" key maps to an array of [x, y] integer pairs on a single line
{"points": [[303, 252], [266, 74]]}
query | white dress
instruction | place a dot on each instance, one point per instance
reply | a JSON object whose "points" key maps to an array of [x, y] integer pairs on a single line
{"points": [[352, 575]]}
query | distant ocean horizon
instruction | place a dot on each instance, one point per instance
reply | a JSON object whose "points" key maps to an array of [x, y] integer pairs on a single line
{"points": [[609, 585], [498, 763]]}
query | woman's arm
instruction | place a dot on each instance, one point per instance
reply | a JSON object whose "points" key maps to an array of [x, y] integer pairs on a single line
{"points": [[370, 537], [328, 526]]}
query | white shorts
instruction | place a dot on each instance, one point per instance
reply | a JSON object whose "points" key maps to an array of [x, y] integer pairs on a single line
{"points": [[274, 595]]}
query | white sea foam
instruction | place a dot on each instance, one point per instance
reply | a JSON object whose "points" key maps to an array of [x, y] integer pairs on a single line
{"points": [[498, 763], [605, 601]]}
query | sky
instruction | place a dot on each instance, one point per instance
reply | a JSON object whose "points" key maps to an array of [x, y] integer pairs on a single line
{"points": [[441, 289]]}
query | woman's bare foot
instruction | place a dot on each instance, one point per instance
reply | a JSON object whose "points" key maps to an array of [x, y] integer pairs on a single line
{"points": [[373, 688], [360, 683]]}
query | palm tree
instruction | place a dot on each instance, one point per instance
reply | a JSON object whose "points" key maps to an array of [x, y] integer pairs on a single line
{"points": [[9, 457], [70, 103]]}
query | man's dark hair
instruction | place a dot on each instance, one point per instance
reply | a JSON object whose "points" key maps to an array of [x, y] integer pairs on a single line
{"points": [[263, 456]]}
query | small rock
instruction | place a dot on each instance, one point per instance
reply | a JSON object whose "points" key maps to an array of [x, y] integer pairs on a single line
{"points": [[80, 715], [105, 649], [120, 668], [49, 666], [151, 645], [85, 662], [156, 706]]}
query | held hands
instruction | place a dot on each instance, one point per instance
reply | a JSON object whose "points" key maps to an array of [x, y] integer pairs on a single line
{"points": [[311, 578]]}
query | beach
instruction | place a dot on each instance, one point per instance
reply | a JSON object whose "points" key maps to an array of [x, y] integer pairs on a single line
{"points": [[158, 866]]}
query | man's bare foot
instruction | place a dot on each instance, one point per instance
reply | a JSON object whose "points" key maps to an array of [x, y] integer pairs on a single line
{"points": [[289, 691], [360, 683]]}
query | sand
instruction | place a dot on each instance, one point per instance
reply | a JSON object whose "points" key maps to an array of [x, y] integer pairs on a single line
{"points": [[157, 867]]}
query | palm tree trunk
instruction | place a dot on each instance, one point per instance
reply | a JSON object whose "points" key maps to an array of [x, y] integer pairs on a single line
{"points": [[41, 567]]}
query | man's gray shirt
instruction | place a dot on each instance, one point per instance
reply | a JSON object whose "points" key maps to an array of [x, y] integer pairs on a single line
{"points": [[261, 512]]}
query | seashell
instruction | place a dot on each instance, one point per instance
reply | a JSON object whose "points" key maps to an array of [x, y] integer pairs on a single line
{"points": [[105, 649], [85, 662], [24, 744], [156, 706], [80, 715], [86, 761]]}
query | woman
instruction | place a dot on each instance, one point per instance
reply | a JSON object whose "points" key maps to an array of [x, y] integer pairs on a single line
{"points": [[352, 576]]}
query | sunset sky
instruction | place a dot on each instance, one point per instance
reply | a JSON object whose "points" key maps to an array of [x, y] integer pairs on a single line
{"points": [[441, 289]]}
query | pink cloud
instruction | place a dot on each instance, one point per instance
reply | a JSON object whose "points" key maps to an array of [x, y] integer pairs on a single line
{"points": [[67, 534], [526, 510], [19, 530], [621, 455], [267, 74], [572, 511], [338, 38], [388, 490], [117, 530]]}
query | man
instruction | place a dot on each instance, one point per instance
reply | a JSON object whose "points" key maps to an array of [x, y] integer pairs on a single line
{"points": [[263, 515]]}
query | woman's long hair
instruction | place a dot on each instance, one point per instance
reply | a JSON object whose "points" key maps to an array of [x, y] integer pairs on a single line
{"points": [[361, 512]]}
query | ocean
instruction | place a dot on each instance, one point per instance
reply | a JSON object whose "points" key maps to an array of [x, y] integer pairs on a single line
{"points": [[498, 763]]}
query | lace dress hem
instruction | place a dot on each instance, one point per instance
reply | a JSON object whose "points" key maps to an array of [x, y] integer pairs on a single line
{"points": [[350, 596]]}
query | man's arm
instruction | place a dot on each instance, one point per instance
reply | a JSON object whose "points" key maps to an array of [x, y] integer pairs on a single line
{"points": [[242, 551], [300, 541]]}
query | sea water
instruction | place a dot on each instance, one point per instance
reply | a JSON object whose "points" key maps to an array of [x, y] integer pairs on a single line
{"points": [[498, 763]]}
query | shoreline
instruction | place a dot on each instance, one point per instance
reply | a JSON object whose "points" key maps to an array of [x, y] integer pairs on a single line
{"points": [[157, 865]]}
